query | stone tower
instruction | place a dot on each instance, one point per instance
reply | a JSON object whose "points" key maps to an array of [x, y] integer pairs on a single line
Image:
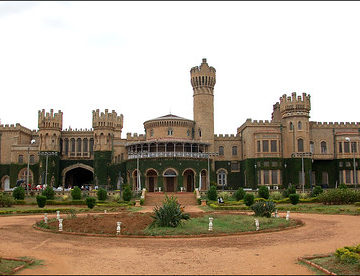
{"points": [[295, 114], [203, 80], [106, 126], [50, 126]]}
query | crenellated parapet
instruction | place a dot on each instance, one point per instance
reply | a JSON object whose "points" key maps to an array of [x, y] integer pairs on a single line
{"points": [[16, 127], [203, 78], [334, 124], [295, 105], [107, 120], [226, 137], [50, 120], [135, 137]]}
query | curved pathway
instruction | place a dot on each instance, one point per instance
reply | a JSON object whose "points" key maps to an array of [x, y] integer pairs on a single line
{"points": [[263, 253]]}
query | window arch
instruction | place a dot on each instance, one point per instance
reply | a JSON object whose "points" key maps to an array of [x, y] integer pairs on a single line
{"points": [[200, 132], [85, 145], [170, 132], [323, 147], [72, 145], [291, 126], [151, 132], [221, 150], [221, 177], [21, 159], [299, 125], [78, 145], [300, 145]]}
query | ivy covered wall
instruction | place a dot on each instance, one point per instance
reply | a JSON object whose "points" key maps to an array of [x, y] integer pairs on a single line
{"points": [[53, 169], [102, 162], [234, 180]]}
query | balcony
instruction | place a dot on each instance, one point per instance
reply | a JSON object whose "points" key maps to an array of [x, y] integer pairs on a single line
{"points": [[167, 154]]}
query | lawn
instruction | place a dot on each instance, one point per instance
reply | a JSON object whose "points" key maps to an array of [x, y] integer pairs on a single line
{"points": [[333, 265]]}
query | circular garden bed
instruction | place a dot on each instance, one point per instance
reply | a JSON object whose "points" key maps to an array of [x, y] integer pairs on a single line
{"points": [[134, 224]]}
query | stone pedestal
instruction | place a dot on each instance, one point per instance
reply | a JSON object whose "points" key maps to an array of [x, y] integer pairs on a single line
{"points": [[203, 202], [137, 203]]}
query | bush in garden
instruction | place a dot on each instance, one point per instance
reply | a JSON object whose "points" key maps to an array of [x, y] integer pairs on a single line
{"points": [[263, 208], [90, 202], [116, 198], [276, 196], [127, 193], [249, 199], [264, 192], [348, 254], [41, 201], [342, 186], [239, 194], [6, 200], [212, 194], [49, 193], [316, 191], [76, 193], [339, 196], [170, 214], [294, 199], [224, 195], [19, 193], [101, 194], [288, 191]]}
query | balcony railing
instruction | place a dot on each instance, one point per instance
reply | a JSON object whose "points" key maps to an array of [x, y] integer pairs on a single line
{"points": [[167, 154]]}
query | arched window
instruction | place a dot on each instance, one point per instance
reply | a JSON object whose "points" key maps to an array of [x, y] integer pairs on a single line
{"points": [[234, 150], [291, 126], [299, 125], [311, 146], [85, 145], [170, 132], [221, 178], [221, 150], [300, 145], [199, 132], [78, 145], [188, 132], [66, 146], [72, 145], [21, 159], [91, 145], [151, 132], [323, 147]]}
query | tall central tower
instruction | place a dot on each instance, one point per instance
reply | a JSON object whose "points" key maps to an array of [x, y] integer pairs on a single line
{"points": [[203, 80]]}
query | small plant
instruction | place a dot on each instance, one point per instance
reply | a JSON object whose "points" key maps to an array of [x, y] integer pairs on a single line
{"points": [[276, 196], [224, 195], [71, 214], [212, 193], [263, 208], [65, 197], [264, 192], [127, 193], [19, 193], [116, 198], [239, 194], [288, 191], [303, 195], [294, 199], [170, 214], [316, 191], [342, 186], [249, 199], [6, 200], [91, 202], [41, 201], [49, 193], [76, 193], [339, 196], [102, 194], [348, 254]]}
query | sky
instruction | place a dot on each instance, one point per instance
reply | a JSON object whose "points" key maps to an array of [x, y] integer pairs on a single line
{"points": [[135, 58]]}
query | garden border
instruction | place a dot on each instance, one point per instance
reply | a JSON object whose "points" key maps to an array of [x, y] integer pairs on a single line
{"points": [[322, 269], [16, 269], [299, 224]]}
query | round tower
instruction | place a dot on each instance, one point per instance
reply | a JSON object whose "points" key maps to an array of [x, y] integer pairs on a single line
{"points": [[203, 79]]}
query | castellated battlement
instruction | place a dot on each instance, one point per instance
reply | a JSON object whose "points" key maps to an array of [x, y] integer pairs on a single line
{"points": [[295, 105], [50, 119], [203, 76], [225, 137], [16, 127], [334, 124], [135, 137], [107, 120], [78, 130]]}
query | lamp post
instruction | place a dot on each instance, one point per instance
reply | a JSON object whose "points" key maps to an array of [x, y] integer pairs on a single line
{"points": [[47, 153], [255, 184], [353, 150], [285, 165], [302, 154], [208, 156], [28, 166]]}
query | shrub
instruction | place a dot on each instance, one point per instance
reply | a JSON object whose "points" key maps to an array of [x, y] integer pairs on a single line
{"points": [[41, 201], [249, 199], [49, 193], [76, 193], [317, 190], [19, 193], [288, 191], [263, 208], [342, 186], [101, 194], [91, 202], [339, 196], [350, 257], [294, 198], [170, 214], [212, 194], [276, 196], [264, 192], [224, 195], [127, 193], [303, 195], [239, 194], [6, 200], [116, 198], [65, 197]]}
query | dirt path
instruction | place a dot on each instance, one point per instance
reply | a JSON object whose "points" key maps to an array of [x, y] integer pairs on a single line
{"points": [[268, 253]]}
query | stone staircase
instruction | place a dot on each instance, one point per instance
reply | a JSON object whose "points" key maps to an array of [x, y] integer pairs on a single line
{"points": [[185, 199]]}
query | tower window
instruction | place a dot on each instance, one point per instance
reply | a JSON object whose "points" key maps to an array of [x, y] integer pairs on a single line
{"points": [[311, 146], [299, 125], [221, 150], [323, 147], [21, 159], [346, 147], [300, 145], [188, 132], [199, 132], [340, 147], [273, 145], [265, 145], [151, 132], [170, 132], [234, 150], [291, 126]]}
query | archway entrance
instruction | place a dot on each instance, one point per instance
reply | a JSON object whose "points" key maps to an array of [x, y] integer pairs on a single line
{"points": [[78, 177], [170, 180], [151, 180], [188, 182]]}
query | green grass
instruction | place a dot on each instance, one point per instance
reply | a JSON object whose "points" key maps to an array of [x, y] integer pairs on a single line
{"points": [[221, 224], [333, 265], [6, 266]]}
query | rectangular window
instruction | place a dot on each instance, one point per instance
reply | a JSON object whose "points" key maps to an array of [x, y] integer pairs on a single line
{"points": [[340, 147], [346, 147], [347, 176], [274, 177], [353, 147], [235, 166], [221, 150], [347, 164], [259, 177], [341, 177], [312, 147], [273, 145], [266, 164], [258, 146], [266, 177], [32, 159], [341, 164], [265, 145], [274, 164], [234, 150], [21, 159], [325, 178], [313, 178]]}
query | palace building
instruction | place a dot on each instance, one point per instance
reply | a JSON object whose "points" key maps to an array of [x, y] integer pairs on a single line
{"points": [[177, 153]]}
